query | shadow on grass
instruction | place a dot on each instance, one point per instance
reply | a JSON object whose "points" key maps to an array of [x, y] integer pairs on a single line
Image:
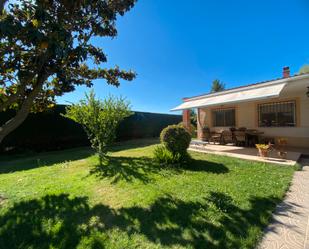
{"points": [[59, 221], [206, 166], [133, 144], [25, 162], [43, 159], [142, 168], [127, 169]]}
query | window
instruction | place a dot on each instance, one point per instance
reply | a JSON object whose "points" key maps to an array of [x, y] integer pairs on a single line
{"points": [[278, 114], [223, 117]]}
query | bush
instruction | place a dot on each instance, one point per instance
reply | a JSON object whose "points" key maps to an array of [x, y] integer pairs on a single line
{"points": [[99, 119], [176, 139], [164, 156]]}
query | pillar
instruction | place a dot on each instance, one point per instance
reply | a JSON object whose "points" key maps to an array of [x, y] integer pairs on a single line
{"points": [[186, 119]]}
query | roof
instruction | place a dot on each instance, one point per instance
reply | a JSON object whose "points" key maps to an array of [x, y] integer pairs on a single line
{"points": [[294, 77], [257, 91]]}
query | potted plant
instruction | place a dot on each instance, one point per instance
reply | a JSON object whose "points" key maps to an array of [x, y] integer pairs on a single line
{"points": [[263, 149], [282, 143]]}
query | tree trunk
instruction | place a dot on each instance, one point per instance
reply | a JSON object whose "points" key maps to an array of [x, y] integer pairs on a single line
{"points": [[25, 108], [21, 115]]}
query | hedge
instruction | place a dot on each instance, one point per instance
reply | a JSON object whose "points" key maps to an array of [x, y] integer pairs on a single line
{"points": [[50, 131]]}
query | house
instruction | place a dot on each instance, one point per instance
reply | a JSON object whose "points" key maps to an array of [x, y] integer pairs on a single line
{"points": [[278, 108]]}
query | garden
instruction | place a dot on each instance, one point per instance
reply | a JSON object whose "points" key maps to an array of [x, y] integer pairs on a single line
{"points": [[142, 193], [67, 199]]}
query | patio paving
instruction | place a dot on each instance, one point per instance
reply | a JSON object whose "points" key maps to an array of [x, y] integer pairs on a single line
{"points": [[245, 153], [290, 226]]}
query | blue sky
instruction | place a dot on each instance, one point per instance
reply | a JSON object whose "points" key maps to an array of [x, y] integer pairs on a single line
{"points": [[178, 47]]}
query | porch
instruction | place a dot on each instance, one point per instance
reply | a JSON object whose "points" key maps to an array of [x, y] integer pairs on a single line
{"points": [[247, 153], [275, 109]]}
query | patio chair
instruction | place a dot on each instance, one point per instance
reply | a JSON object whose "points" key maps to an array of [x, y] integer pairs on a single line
{"points": [[232, 129], [240, 138], [227, 137], [215, 137]]}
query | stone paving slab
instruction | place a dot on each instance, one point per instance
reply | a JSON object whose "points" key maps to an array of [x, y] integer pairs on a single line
{"points": [[290, 226], [246, 153]]}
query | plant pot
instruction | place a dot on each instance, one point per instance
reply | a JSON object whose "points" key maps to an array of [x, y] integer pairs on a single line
{"points": [[263, 153]]}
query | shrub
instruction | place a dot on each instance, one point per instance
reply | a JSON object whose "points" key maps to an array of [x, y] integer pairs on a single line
{"points": [[99, 119], [164, 156], [176, 139], [298, 167]]}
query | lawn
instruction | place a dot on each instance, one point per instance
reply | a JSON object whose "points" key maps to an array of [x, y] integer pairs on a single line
{"points": [[66, 199]]}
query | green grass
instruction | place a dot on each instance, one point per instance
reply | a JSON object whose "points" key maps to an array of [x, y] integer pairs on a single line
{"points": [[66, 199]]}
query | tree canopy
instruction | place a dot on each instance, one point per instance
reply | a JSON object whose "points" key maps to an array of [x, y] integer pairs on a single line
{"points": [[46, 50], [217, 86], [304, 69]]}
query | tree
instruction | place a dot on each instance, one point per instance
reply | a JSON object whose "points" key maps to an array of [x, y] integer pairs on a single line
{"points": [[46, 49], [304, 69], [99, 119], [193, 117], [217, 86], [2, 3]]}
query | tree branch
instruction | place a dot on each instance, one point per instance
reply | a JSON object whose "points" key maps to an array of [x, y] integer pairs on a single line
{"points": [[13, 98]]}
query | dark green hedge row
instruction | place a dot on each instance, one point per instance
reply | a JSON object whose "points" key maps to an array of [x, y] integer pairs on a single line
{"points": [[50, 131]]}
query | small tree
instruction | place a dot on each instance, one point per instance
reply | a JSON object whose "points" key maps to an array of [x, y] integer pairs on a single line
{"points": [[99, 119], [217, 86], [304, 69]]}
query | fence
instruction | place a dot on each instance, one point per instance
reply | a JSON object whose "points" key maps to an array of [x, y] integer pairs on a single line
{"points": [[50, 131]]}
